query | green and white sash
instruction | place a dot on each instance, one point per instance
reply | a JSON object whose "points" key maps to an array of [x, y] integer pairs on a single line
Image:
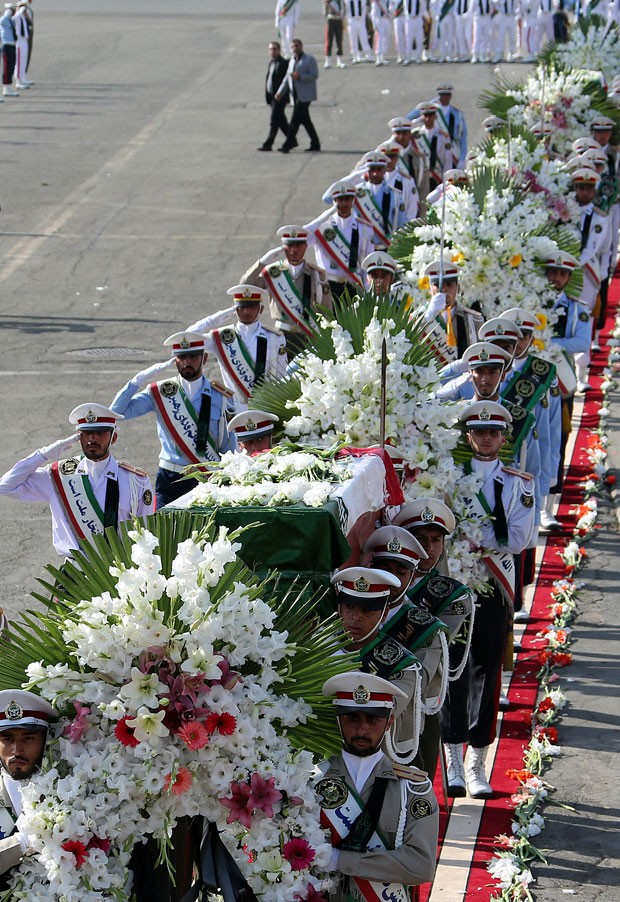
{"points": [[371, 213], [234, 357], [338, 248], [77, 498], [286, 294], [177, 415]]}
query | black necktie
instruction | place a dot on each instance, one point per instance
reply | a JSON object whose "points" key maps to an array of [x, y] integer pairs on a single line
{"points": [[500, 526]]}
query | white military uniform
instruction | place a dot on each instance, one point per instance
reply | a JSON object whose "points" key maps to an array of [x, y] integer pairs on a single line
{"points": [[331, 219], [438, 160], [398, 11], [414, 34], [276, 360], [287, 14], [11, 852], [380, 17], [31, 479], [505, 37], [481, 48], [517, 500], [319, 289], [356, 27], [594, 257]]}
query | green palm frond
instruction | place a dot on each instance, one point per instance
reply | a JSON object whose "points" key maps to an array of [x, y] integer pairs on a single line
{"points": [[487, 147], [405, 240], [566, 241], [496, 99], [486, 177], [278, 396]]}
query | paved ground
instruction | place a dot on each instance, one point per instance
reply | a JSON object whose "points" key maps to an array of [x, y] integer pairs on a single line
{"points": [[132, 197]]}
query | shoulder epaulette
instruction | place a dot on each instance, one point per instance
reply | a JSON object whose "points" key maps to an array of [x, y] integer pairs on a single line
{"points": [[514, 472], [475, 313], [600, 212], [131, 469], [222, 389], [413, 774], [271, 329]]}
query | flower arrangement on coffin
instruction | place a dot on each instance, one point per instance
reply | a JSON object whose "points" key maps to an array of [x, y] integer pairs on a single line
{"points": [[185, 690], [286, 474], [334, 397], [497, 232], [594, 44], [521, 154], [567, 99]]}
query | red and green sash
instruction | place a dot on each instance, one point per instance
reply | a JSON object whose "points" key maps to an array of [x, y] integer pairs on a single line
{"points": [[177, 415], [286, 294], [77, 498]]}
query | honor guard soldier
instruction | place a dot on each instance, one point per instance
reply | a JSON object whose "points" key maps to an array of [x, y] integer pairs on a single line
{"points": [[341, 240], [88, 491], [399, 179], [296, 287], [381, 22], [358, 34], [572, 334], [253, 430], [430, 522], [454, 326], [24, 723], [412, 160], [363, 597], [486, 364], [383, 817], [608, 200], [433, 141], [504, 510], [191, 413], [453, 121], [376, 203], [595, 231], [287, 14], [453, 179], [247, 350]]}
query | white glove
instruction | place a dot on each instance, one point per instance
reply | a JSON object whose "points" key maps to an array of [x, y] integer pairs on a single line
{"points": [[144, 377], [58, 448], [333, 861], [436, 304]]}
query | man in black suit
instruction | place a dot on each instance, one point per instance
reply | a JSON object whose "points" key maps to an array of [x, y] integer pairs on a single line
{"points": [[275, 75]]}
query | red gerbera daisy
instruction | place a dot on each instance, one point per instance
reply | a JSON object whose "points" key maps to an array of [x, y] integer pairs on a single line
{"points": [[125, 734], [224, 723], [299, 853], [77, 849]]}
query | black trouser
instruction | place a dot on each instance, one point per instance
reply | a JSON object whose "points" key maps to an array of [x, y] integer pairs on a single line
{"points": [[469, 713], [278, 121], [333, 32], [8, 63], [301, 116], [567, 415], [170, 485], [602, 311]]}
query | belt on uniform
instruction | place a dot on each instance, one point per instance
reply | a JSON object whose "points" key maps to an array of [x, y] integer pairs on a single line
{"points": [[174, 468]]}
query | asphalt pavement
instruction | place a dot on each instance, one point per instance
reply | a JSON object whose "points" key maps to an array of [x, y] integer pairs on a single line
{"points": [[132, 197]]}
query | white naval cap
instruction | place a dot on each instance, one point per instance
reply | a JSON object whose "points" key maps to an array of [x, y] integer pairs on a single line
{"points": [[185, 343], [375, 158], [602, 123], [562, 260], [427, 107], [485, 415], [246, 295], [525, 319], [425, 512], [499, 329], [455, 177], [485, 353], [585, 143], [400, 124], [292, 234], [367, 587], [492, 123], [251, 424], [22, 709], [357, 691], [441, 269], [393, 543], [389, 147], [444, 87], [543, 129], [93, 416], [380, 260], [341, 188], [581, 161], [585, 176], [595, 155]]}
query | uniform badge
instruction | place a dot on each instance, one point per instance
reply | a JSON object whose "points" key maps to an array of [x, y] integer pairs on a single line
{"points": [[184, 343], [394, 545], [583, 317], [544, 401], [329, 234], [598, 228], [427, 515], [147, 497], [499, 329], [361, 584], [333, 792], [484, 354], [517, 412], [439, 586], [361, 695], [525, 388], [555, 391], [420, 808], [402, 208], [275, 270], [485, 414], [389, 652], [168, 389], [13, 711], [91, 417], [68, 467], [227, 336], [527, 500], [540, 367], [417, 615], [282, 349], [458, 608]]}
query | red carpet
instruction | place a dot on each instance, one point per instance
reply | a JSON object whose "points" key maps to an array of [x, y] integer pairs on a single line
{"points": [[516, 727]]}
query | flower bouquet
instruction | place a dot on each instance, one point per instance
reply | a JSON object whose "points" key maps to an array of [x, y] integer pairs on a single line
{"points": [[186, 692]]}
